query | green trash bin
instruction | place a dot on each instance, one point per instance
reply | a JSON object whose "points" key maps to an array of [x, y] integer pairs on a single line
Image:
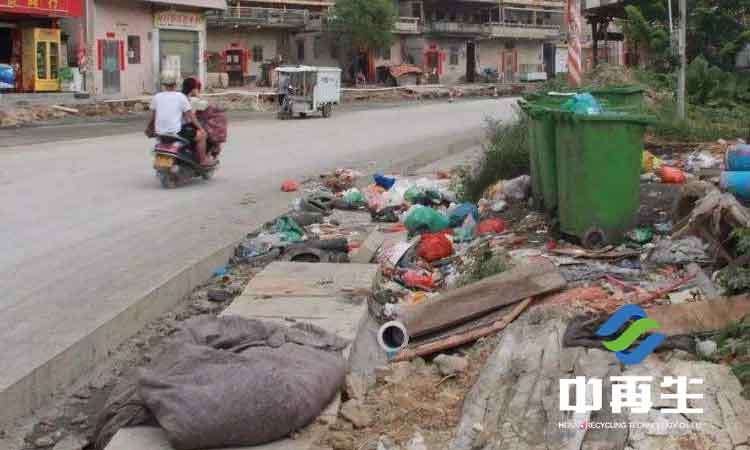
{"points": [[542, 139], [621, 98], [598, 174]]}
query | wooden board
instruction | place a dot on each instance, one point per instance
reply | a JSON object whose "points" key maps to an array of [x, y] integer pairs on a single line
{"points": [[469, 302], [699, 317]]}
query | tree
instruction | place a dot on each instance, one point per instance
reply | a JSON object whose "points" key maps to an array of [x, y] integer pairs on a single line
{"points": [[364, 24], [716, 29]]}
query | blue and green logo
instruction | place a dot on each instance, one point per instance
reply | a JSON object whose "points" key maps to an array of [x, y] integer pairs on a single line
{"points": [[632, 333]]}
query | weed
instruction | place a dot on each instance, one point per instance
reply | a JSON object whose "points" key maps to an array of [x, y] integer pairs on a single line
{"points": [[505, 156], [484, 264]]}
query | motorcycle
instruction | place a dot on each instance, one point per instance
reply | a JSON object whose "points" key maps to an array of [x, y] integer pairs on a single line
{"points": [[176, 161]]}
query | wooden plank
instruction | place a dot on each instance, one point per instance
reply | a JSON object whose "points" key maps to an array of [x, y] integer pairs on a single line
{"points": [[699, 317], [472, 301]]}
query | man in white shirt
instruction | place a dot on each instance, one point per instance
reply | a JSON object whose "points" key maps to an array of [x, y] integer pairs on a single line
{"points": [[171, 113]]}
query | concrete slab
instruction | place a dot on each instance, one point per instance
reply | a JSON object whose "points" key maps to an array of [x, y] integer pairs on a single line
{"points": [[369, 247], [151, 438], [290, 279], [335, 314]]}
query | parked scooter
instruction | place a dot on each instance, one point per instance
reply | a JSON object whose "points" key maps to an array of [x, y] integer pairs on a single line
{"points": [[176, 161]]}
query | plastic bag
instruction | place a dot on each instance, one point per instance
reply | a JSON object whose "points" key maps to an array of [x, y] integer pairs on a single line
{"points": [[584, 103], [414, 279], [384, 181], [701, 160], [467, 231], [649, 162], [434, 246], [491, 226], [458, 214], [376, 201], [423, 219], [289, 186], [289, 229], [395, 195], [518, 188], [671, 175], [354, 196]]}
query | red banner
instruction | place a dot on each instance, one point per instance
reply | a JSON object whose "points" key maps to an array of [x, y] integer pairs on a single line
{"points": [[44, 8]]}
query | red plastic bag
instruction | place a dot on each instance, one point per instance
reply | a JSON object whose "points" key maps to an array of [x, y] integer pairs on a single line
{"points": [[289, 186], [494, 225], [671, 175], [415, 280], [434, 246]]}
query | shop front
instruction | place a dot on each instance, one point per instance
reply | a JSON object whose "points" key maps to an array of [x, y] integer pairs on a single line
{"points": [[31, 51], [181, 37]]}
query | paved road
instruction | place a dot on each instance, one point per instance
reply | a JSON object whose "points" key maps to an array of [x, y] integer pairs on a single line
{"points": [[86, 231]]}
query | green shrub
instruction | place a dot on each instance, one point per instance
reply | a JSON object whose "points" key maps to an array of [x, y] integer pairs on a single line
{"points": [[505, 156]]}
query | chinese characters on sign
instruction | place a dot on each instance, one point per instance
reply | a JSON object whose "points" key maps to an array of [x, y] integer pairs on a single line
{"points": [[178, 19], [632, 392], [36, 5]]}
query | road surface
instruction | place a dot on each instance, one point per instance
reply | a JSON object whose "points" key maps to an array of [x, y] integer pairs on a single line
{"points": [[86, 232]]}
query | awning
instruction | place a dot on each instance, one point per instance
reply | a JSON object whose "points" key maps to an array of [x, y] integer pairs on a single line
{"points": [[204, 4], [403, 69], [43, 8]]}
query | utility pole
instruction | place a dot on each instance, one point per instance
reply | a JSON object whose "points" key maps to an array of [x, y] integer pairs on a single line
{"points": [[683, 62], [671, 26]]}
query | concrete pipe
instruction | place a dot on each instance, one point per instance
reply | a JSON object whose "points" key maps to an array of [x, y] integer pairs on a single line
{"points": [[393, 337]]}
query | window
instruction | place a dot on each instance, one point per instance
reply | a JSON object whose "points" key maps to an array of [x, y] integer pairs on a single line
{"points": [[258, 53], [317, 46], [454, 56], [134, 49], [334, 48], [416, 9], [301, 50], [386, 53]]}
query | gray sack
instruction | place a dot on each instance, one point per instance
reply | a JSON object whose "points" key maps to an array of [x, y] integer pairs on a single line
{"points": [[228, 382]]}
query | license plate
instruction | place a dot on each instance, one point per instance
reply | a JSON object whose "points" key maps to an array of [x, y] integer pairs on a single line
{"points": [[163, 161]]}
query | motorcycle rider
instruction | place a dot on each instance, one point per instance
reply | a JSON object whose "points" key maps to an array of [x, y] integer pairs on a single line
{"points": [[172, 113]]}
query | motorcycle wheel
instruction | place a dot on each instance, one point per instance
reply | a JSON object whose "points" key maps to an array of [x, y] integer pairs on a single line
{"points": [[208, 175], [167, 180]]}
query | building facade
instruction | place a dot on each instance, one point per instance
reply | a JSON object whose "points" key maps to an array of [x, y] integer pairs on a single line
{"points": [[32, 44], [250, 38], [130, 43]]}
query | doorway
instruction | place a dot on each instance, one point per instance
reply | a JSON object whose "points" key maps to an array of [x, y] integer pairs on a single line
{"points": [[6, 45], [111, 67], [548, 58], [508, 66], [471, 61], [182, 46]]}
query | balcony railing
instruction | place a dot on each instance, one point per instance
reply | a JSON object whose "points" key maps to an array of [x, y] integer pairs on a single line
{"points": [[262, 17], [408, 25], [522, 30], [315, 23], [454, 27]]}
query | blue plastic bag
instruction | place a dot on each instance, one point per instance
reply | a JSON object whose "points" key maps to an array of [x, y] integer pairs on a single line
{"points": [[7, 77], [458, 214], [384, 181], [583, 104]]}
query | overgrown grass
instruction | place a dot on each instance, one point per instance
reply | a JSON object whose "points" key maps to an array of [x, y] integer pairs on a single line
{"points": [[484, 264], [505, 156], [702, 124]]}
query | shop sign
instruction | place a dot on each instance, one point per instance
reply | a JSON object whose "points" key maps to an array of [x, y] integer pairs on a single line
{"points": [[43, 7], [176, 19]]}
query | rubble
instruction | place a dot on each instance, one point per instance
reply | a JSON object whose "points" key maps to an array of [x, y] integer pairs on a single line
{"points": [[450, 365]]}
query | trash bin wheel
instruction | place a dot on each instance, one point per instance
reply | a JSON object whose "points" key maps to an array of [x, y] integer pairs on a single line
{"points": [[594, 238]]}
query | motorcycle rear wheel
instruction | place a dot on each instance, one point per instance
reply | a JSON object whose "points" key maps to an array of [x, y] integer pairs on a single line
{"points": [[167, 180]]}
